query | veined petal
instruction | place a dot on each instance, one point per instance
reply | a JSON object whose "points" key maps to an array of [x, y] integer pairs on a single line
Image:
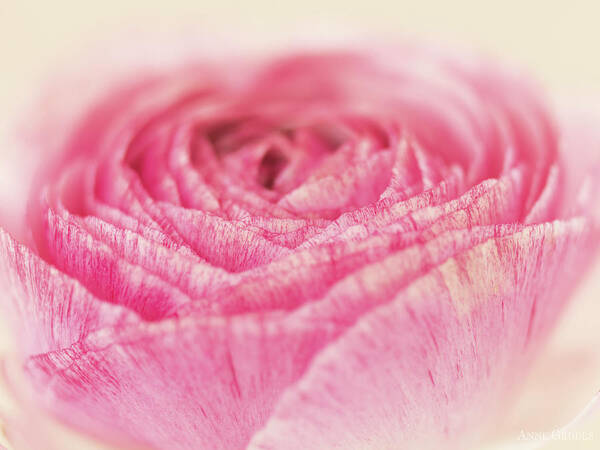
{"points": [[422, 371]]}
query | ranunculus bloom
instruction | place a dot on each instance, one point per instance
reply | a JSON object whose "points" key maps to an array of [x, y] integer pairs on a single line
{"points": [[327, 250]]}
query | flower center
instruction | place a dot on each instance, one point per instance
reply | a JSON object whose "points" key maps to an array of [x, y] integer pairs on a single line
{"points": [[270, 166]]}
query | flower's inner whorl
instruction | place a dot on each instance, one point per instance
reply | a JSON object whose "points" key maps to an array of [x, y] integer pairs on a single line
{"points": [[305, 154]]}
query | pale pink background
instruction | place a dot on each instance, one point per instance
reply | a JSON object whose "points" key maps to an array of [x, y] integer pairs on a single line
{"points": [[558, 41]]}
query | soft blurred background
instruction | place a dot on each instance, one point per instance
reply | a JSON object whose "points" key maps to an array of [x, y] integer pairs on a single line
{"points": [[557, 41]]}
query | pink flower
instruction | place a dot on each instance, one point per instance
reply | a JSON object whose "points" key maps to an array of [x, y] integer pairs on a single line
{"points": [[326, 250]]}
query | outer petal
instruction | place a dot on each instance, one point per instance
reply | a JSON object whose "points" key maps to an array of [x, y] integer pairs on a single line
{"points": [[195, 383], [426, 369], [51, 309]]}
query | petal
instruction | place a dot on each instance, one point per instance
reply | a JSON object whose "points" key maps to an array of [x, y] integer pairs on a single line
{"points": [[195, 382], [50, 309], [423, 370]]}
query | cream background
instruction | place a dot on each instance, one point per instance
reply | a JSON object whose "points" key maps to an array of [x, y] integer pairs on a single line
{"points": [[559, 41]]}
